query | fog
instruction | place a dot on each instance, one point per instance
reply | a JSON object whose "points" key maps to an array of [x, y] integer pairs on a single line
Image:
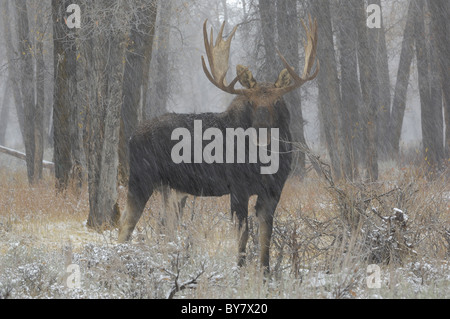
{"points": [[176, 81], [190, 91]]}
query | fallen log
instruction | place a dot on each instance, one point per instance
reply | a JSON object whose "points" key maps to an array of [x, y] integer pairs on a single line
{"points": [[23, 156]]}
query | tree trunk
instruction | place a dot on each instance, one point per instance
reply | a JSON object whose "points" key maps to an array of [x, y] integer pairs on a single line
{"points": [[136, 75], [106, 84], [377, 42], [85, 86], [77, 121], [288, 38], [61, 99], [440, 11], [159, 90], [40, 96], [432, 131], [13, 66], [270, 69], [350, 88], [27, 85], [330, 104], [370, 91], [436, 94], [401, 87], [4, 113], [104, 135]]}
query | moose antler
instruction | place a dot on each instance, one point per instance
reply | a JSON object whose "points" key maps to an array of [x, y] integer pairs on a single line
{"points": [[218, 56], [310, 57]]}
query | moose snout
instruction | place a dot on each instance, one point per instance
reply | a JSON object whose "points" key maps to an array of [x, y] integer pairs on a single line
{"points": [[262, 122]]}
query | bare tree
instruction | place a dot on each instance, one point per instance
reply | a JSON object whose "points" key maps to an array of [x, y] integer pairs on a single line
{"points": [[432, 124], [40, 94], [159, 90], [350, 87], [136, 76], [104, 40], [4, 113], [268, 27], [13, 65], [33, 115], [377, 43], [288, 26], [63, 84], [370, 91], [401, 87], [436, 92], [440, 10], [330, 104]]}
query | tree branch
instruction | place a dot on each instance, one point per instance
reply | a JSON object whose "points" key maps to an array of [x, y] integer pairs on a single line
{"points": [[23, 156]]}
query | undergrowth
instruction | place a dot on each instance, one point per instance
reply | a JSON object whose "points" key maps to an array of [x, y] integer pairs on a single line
{"points": [[326, 234]]}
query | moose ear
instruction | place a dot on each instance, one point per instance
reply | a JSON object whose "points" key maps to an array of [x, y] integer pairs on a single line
{"points": [[284, 79], [245, 77]]}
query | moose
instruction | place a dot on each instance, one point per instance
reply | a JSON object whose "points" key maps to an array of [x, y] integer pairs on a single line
{"points": [[256, 105]]}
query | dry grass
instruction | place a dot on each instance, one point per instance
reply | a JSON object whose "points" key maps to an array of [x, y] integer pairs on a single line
{"points": [[315, 251], [37, 215]]}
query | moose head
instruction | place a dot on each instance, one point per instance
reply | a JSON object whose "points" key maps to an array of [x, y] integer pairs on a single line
{"points": [[262, 97]]}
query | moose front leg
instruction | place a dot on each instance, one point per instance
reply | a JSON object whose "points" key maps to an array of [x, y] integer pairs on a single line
{"points": [[136, 200], [239, 209], [265, 209]]}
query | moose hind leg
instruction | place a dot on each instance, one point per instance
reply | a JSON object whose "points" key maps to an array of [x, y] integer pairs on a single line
{"points": [[265, 209], [239, 209]]}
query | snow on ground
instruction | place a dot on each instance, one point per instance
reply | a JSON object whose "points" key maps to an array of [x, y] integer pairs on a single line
{"points": [[41, 234]]}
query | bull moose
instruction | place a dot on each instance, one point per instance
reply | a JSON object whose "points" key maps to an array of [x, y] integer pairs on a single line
{"points": [[258, 106]]}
